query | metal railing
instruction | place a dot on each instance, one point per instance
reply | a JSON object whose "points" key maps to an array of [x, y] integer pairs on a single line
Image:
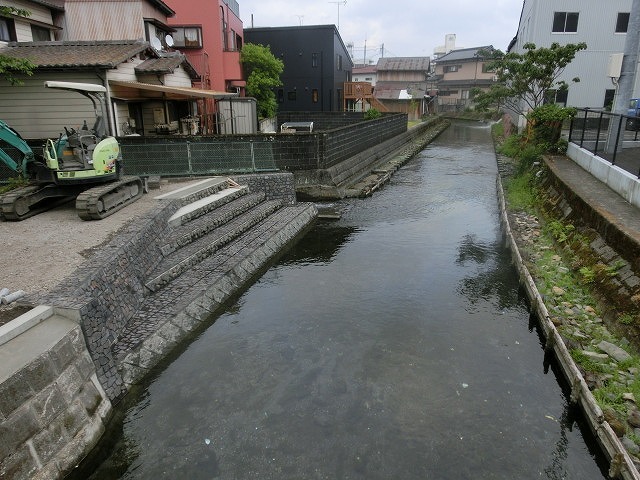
{"points": [[610, 136]]}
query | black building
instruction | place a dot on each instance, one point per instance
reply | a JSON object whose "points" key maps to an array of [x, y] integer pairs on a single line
{"points": [[316, 65]]}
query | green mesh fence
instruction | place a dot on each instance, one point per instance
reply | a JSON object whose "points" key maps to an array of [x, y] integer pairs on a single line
{"points": [[173, 158], [197, 158]]}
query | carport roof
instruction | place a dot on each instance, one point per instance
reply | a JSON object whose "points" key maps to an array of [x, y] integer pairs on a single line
{"points": [[136, 90]]}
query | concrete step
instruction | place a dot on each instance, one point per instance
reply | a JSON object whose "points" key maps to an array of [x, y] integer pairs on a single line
{"points": [[196, 191], [190, 255], [236, 262], [206, 204], [195, 229]]}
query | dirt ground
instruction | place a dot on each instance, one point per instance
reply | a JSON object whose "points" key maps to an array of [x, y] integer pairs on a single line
{"points": [[39, 252]]}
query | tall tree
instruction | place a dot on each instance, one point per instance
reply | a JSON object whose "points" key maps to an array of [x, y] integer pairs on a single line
{"points": [[262, 71], [11, 67], [525, 79]]}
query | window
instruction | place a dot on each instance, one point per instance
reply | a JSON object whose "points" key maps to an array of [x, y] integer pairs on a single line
{"points": [[40, 34], [291, 96], [314, 95], [557, 96], [622, 23], [187, 37], [565, 22], [338, 62], [7, 30], [280, 95], [223, 28], [314, 60], [608, 98], [450, 68]]}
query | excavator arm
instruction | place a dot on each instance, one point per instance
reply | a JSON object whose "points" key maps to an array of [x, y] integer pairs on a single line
{"points": [[9, 136]]}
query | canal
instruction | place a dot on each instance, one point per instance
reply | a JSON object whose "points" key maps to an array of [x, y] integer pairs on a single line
{"points": [[393, 343]]}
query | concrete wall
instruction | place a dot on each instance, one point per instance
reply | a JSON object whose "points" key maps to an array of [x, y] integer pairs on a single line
{"points": [[53, 409], [616, 178]]}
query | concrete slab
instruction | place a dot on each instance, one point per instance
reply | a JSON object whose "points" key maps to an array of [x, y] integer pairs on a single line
{"points": [[176, 218], [192, 188], [24, 348]]}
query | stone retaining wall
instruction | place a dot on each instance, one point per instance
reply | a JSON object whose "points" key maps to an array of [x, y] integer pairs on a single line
{"points": [[109, 288], [53, 409]]}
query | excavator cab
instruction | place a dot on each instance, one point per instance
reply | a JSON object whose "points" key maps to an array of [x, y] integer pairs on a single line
{"points": [[81, 164]]}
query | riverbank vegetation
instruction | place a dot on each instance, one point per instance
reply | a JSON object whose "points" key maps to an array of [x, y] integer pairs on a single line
{"points": [[599, 327]]}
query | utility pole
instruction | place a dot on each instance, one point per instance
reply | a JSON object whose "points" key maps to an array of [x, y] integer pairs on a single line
{"points": [[627, 74], [343, 2]]}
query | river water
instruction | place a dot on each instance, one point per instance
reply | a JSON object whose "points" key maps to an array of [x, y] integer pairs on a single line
{"points": [[391, 344]]}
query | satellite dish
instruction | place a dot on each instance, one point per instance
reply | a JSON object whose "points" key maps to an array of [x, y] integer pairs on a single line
{"points": [[169, 40], [155, 43]]}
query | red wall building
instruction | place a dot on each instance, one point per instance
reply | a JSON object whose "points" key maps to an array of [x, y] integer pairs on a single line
{"points": [[209, 33]]}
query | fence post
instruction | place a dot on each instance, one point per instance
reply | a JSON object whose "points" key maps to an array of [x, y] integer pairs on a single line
{"points": [[253, 158], [584, 126], [189, 157], [595, 149], [615, 151]]}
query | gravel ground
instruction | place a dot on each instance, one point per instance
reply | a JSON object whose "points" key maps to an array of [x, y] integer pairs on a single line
{"points": [[39, 252]]}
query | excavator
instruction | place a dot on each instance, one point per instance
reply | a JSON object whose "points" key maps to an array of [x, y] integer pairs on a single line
{"points": [[84, 164]]}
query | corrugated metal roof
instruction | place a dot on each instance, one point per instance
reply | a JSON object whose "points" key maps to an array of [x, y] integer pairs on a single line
{"points": [[387, 90], [463, 54], [404, 64], [103, 54]]}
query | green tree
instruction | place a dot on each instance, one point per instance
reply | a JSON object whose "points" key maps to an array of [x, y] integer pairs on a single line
{"points": [[525, 79], [11, 67], [262, 71]]}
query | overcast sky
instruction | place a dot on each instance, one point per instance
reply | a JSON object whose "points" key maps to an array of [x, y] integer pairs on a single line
{"points": [[405, 28]]}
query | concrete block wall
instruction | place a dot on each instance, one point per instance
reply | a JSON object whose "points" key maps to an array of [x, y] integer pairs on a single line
{"points": [[276, 186], [53, 409], [616, 178]]}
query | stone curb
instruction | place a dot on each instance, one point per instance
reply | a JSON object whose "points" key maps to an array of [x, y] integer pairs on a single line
{"points": [[621, 463]]}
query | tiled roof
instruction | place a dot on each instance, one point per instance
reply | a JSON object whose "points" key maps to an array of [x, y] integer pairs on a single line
{"points": [[404, 63], [463, 54], [103, 54], [166, 64], [53, 4]]}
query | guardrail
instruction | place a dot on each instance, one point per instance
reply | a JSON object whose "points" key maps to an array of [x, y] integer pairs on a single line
{"points": [[611, 136]]}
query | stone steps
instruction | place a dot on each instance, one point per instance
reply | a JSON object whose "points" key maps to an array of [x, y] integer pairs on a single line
{"points": [[200, 247], [196, 293]]}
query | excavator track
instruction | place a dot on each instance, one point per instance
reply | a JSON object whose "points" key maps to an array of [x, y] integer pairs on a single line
{"points": [[23, 203], [100, 202]]}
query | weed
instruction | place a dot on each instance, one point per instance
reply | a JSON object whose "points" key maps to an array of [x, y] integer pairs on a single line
{"points": [[587, 274]]}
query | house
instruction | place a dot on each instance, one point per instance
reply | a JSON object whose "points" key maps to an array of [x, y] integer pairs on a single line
{"points": [[459, 72], [365, 73], [149, 87], [210, 34], [401, 84], [603, 29], [316, 65]]}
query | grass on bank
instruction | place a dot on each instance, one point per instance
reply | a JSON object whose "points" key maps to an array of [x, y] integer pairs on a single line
{"points": [[553, 262]]}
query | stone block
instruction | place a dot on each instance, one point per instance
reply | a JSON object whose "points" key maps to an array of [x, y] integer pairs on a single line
{"points": [[90, 397], [74, 418], [69, 383], [48, 404], [63, 353], [15, 391], [50, 441], [16, 429], [85, 366], [40, 372], [20, 465], [47, 472]]}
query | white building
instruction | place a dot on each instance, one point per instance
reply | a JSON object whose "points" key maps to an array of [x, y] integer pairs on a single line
{"points": [[602, 25]]}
